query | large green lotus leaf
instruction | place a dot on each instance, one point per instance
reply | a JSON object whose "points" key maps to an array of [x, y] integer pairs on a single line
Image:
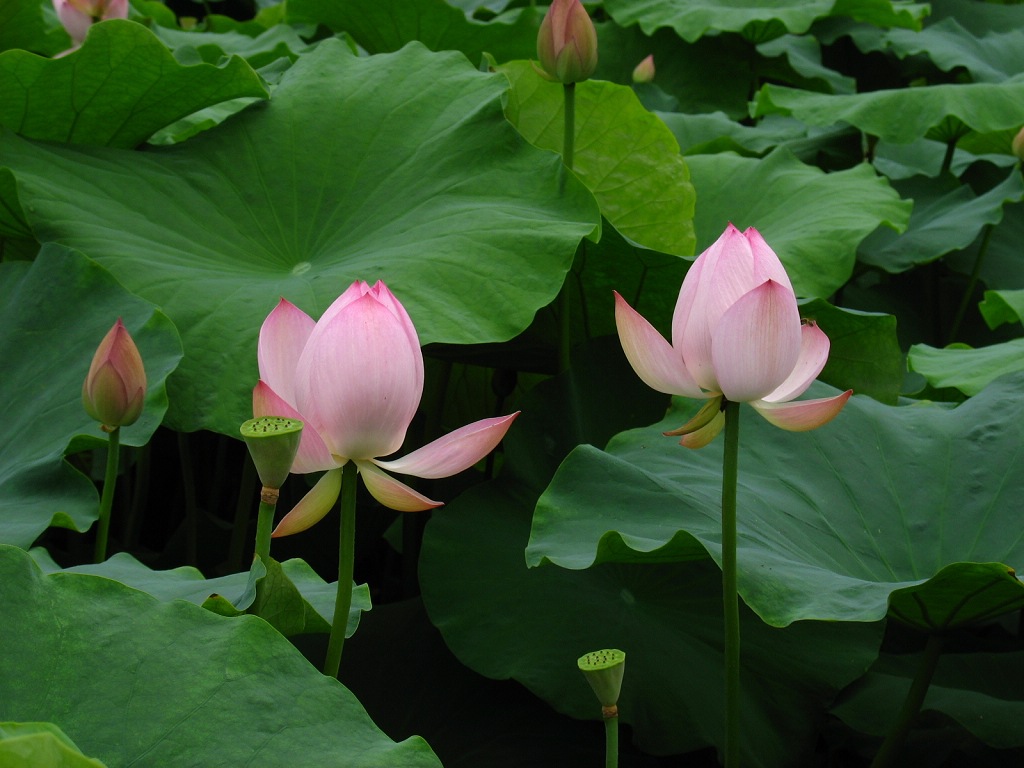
{"points": [[979, 19], [398, 166], [803, 53], [387, 25], [120, 87], [53, 314], [925, 157], [832, 522], [692, 19], [507, 621], [22, 26], [992, 58], [865, 352], [981, 691], [278, 42], [624, 154], [984, 107], [1001, 266], [813, 220], [136, 681], [40, 745], [1000, 307], [965, 368], [947, 216]]}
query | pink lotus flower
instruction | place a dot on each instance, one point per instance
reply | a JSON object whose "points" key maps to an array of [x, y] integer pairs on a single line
{"points": [[355, 379], [78, 15], [736, 334], [567, 42], [115, 387]]}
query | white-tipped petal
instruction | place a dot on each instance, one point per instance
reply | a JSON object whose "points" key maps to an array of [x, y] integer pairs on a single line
{"points": [[391, 493], [655, 361], [756, 343], [814, 347], [802, 415], [313, 507], [313, 455], [454, 452]]}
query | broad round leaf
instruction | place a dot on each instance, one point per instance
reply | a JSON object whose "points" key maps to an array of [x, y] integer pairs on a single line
{"points": [[399, 167], [961, 367], [53, 314], [147, 683], [833, 524]]}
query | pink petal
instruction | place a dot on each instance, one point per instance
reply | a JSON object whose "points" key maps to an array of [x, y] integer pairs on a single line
{"points": [[391, 493], [313, 455], [814, 347], [654, 359], [75, 21], [313, 507], [757, 343], [282, 338], [767, 265], [455, 451], [802, 415], [116, 9], [360, 378]]}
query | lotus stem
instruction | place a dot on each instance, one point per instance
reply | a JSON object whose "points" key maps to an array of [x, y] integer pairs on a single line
{"points": [[730, 594], [107, 498], [890, 748], [972, 283], [346, 568], [611, 736], [568, 149], [265, 521]]}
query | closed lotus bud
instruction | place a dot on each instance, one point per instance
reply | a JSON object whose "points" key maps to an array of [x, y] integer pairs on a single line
{"points": [[644, 71], [78, 15], [567, 42], [115, 387], [1018, 145]]}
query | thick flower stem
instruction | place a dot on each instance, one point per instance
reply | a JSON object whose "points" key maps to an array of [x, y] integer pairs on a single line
{"points": [[107, 499], [730, 595], [568, 148], [890, 748], [346, 566], [265, 522], [611, 741]]}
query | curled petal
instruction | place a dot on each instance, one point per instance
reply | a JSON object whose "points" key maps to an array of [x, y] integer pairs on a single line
{"points": [[703, 436], [802, 415], [391, 493], [757, 343], [313, 507], [652, 357], [283, 336], [313, 455], [702, 418], [455, 451], [814, 347], [359, 379]]}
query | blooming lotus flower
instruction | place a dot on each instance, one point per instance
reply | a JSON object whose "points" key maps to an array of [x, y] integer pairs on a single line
{"points": [[737, 335], [567, 42], [355, 379], [78, 15], [115, 387]]}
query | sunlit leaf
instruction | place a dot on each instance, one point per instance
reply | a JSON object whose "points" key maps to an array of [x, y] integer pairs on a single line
{"points": [[967, 369]]}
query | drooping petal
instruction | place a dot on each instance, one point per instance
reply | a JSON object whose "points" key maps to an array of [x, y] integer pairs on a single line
{"points": [[814, 346], [802, 415], [703, 436], [391, 493], [702, 418], [757, 342], [283, 336], [359, 380], [652, 357], [313, 507], [454, 452], [313, 455]]}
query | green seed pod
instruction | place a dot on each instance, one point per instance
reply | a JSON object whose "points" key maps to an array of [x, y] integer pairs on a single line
{"points": [[273, 442], [603, 670]]}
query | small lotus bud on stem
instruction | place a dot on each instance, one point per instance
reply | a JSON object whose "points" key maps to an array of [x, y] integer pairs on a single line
{"points": [[1018, 145], [644, 71]]}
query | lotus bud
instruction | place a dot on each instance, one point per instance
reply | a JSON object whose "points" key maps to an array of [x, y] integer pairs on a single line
{"points": [[567, 42], [603, 670], [115, 387], [273, 442], [1018, 145], [644, 71], [78, 15]]}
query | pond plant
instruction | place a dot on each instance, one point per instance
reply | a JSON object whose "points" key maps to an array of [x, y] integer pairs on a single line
{"points": [[487, 256]]}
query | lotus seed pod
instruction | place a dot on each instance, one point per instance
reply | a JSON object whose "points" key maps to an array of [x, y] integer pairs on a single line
{"points": [[273, 442]]}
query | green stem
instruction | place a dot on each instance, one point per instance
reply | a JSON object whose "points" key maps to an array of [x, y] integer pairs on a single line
{"points": [[730, 594], [972, 283], [107, 499], [947, 159], [264, 526], [890, 748], [568, 149], [611, 742], [346, 567], [243, 507]]}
